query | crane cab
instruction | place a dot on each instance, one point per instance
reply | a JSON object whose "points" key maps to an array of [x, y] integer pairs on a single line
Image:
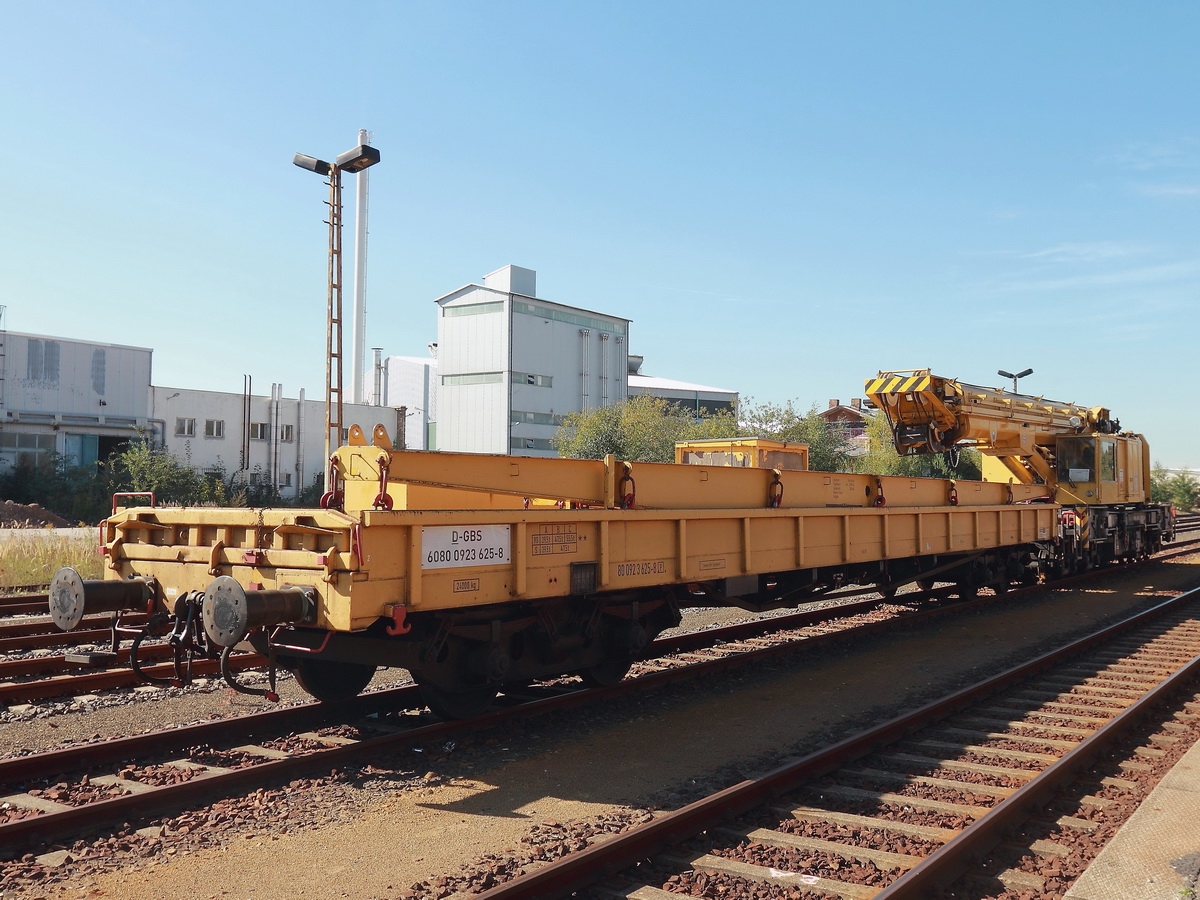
{"points": [[1101, 469]]}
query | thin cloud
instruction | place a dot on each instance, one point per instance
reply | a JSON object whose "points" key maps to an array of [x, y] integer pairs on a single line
{"points": [[1169, 190], [1149, 155], [1139, 275], [1090, 251]]}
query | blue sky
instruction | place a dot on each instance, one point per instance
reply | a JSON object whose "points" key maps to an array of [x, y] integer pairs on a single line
{"points": [[783, 197]]}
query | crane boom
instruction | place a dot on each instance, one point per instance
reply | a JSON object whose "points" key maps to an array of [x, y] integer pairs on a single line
{"points": [[930, 414]]}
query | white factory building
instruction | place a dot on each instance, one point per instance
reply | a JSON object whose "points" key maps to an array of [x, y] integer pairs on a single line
{"points": [[510, 366], [270, 439], [506, 368], [76, 398], [84, 400]]}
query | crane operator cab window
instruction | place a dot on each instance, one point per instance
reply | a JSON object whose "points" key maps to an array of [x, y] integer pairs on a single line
{"points": [[1108, 461], [1076, 460]]}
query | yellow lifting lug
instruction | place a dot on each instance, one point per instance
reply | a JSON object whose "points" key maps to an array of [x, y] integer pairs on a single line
{"points": [[112, 552], [328, 559], [214, 558]]}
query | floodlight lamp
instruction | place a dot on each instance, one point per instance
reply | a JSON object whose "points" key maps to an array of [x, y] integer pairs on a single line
{"points": [[312, 164], [1023, 374], [1004, 374], [361, 157]]}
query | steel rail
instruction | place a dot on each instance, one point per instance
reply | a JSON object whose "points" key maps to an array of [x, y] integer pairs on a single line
{"points": [[86, 682], [25, 605], [23, 832], [946, 864], [34, 636], [278, 720], [581, 870]]}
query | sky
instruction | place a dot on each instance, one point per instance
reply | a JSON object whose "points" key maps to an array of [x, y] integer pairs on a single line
{"points": [[783, 197]]}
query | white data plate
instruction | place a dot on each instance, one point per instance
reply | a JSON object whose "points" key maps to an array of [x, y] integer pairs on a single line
{"points": [[451, 546]]}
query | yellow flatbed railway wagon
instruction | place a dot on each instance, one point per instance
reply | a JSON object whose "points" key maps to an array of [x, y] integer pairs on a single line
{"points": [[473, 571]]}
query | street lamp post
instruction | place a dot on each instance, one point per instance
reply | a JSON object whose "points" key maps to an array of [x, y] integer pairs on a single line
{"points": [[1015, 377], [361, 157]]}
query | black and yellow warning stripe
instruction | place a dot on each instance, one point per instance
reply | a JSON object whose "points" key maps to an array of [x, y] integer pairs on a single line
{"points": [[903, 383]]}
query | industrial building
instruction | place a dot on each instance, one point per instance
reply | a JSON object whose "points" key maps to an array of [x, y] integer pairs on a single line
{"points": [[269, 439], [508, 367], [83, 400], [511, 365]]}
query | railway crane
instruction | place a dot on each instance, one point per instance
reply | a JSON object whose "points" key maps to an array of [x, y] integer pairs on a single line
{"points": [[1098, 474]]}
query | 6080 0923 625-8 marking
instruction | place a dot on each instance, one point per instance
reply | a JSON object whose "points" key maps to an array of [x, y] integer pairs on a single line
{"points": [[447, 546]]}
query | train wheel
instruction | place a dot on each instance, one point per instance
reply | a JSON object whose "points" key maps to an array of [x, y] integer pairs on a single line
{"points": [[605, 673], [463, 704], [333, 682]]}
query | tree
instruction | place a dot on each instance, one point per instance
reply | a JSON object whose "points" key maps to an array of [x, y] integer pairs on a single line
{"points": [[1184, 491], [1160, 492], [141, 467], [882, 459], [828, 448], [640, 429], [1181, 490], [68, 490]]}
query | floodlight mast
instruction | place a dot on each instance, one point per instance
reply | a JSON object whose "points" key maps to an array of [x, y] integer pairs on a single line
{"points": [[361, 157], [1015, 377]]}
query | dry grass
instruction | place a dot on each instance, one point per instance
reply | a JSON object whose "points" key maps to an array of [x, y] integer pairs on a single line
{"points": [[33, 555]]}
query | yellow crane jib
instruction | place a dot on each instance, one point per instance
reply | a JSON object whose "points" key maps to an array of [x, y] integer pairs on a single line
{"points": [[1027, 439], [929, 414]]}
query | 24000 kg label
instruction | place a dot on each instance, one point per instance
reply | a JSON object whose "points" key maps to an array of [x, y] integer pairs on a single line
{"points": [[450, 546]]}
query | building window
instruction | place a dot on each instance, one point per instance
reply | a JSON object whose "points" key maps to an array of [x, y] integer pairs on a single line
{"points": [[42, 363], [561, 315], [185, 428], [474, 378], [214, 428], [285, 432], [523, 443], [536, 380], [98, 370], [473, 309], [29, 450], [260, 431], [520, 417], [285, 479]]}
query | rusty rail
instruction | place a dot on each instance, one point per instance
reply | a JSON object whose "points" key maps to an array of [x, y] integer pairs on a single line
{"points": [[581, 870]]}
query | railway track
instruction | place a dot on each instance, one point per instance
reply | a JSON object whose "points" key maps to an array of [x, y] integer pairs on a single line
{"points": [[220, 758], [901, 811], [104, 785], [26, 676], [74, 769]]}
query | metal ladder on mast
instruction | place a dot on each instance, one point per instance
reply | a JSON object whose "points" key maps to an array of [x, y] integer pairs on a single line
{"points": [[333, 329]]}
